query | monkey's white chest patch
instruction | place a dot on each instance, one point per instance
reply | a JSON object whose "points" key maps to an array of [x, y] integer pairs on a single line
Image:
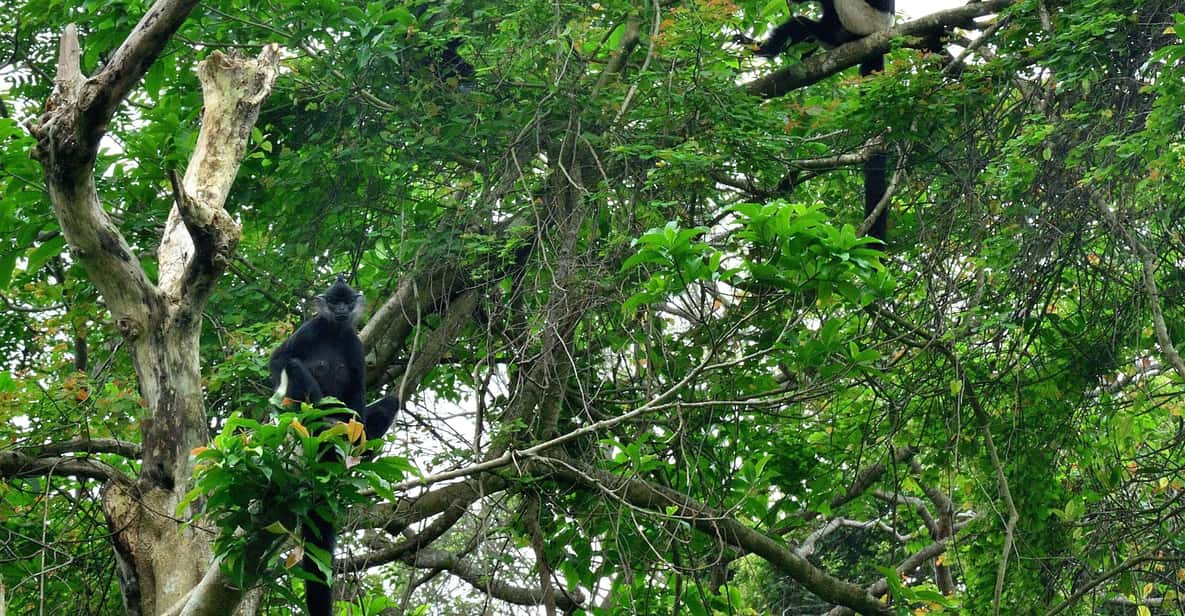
{"points": [[859, 17]]}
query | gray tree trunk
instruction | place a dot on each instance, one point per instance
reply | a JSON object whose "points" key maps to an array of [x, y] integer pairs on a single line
{"points": [[164, 567]]}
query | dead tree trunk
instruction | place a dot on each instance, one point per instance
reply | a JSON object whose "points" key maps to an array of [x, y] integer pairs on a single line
{"points": [[163, 566]]}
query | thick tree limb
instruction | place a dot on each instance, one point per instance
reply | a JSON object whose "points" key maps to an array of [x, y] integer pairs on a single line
{"points": [[821, 66], [945, 509], [394, 518], [812, 166], [416, 542], [810, 545], [13, 464], [88, 445], [419, 294], [200, 237], [106, 90], [67, 136], [458, 314]]}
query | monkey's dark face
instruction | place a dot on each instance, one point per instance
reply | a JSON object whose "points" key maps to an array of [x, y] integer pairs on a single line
{"points": [[340, 303]]}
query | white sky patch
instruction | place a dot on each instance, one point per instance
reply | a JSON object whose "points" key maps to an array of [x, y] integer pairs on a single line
{"points": [[913, 9]]}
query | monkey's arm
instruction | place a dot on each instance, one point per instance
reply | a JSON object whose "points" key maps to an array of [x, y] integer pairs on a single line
{"points": [[289, 374], [295, 347]]}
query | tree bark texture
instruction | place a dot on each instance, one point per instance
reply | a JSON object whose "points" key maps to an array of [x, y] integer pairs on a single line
{"points": [[160, 560]]}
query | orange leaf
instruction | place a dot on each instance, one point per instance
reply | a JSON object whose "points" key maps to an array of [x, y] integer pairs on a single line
{"points": [[196, 450]]}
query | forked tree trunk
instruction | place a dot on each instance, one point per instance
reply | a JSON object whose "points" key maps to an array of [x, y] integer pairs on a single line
{"points": [[164, 567]]}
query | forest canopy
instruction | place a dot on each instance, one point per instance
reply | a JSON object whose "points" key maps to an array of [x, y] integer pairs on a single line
{"points": [[618, 280]]}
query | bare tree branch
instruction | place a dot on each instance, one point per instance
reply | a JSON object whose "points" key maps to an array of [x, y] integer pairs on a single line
{"points": [[14, 464], [88, 445], [192, 256], [662, 500], [490, 584], [881, 586]]}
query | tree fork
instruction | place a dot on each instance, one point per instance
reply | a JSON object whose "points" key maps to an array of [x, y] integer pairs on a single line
{"points": [[161, 562]]}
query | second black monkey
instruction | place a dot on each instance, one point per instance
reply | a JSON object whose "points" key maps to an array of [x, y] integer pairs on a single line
{"points": [[844, 21]]}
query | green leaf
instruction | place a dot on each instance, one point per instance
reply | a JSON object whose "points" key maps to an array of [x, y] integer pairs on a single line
{"points": [[398, 15], [7, 264], [43, 253]]}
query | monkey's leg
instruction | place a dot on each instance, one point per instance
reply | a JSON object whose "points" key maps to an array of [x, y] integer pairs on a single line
{"points": [[297, 383], [794, 30]]}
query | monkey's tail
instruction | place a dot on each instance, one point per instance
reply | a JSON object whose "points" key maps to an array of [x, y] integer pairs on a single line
{"points": [[318, 595], [874, 190], [379, 415], [875, 167]]}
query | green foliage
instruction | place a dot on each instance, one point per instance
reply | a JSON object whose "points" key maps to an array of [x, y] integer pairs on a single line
{"points": [[262, 483], [705, 225]]}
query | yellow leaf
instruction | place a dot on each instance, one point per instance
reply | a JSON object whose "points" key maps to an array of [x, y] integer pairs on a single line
{"points": [[1143, 611], [1147, 590], [299, 427], [1181, 574], [294, 557], [356, 431]]}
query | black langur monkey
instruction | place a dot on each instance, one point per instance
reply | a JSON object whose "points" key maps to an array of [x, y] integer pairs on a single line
{"points": [[449, 64], [844, 21], [324, 358]]}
